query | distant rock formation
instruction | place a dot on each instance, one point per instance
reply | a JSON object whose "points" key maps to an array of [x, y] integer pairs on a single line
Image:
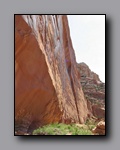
{"points": [[94, 91], [46, 76]]}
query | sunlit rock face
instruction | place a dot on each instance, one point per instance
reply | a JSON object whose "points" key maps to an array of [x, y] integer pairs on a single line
{"points": [[47, 87], [85, 72]]}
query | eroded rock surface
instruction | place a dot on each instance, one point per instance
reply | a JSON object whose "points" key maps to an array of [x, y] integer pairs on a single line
{"points": [[94, 91], [100, 128], [46, 76]]}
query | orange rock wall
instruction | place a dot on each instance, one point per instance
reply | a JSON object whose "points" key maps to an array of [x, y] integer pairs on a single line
{"points": [[47, 87]]}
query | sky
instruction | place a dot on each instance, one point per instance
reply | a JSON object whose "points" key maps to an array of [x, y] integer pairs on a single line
{"points": [[88, 39]]}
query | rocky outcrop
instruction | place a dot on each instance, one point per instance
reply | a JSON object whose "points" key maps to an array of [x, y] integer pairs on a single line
{"points": [[94, 91], [98, 111], [46, 76], [100, 128], [86, 72]]}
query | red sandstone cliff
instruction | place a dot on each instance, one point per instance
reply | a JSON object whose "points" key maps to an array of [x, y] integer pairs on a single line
{"points": [[46, 76]]}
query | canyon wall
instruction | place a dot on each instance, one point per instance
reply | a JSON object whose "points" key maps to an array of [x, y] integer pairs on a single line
{"points": [[94, 90], [47, 87]]}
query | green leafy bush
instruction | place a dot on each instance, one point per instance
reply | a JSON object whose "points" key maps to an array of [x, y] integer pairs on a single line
{"points": [[61, 129]]}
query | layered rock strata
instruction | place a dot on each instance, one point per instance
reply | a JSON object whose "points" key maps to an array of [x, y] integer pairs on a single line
{"points": [[94, 90], [46, 76]]}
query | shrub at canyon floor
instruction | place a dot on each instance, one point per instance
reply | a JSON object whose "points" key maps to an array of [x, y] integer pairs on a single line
{"points": [[63, 129]]}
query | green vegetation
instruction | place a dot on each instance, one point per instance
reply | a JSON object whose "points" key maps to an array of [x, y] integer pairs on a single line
{"points": [[91, 123], [63, 129]]}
